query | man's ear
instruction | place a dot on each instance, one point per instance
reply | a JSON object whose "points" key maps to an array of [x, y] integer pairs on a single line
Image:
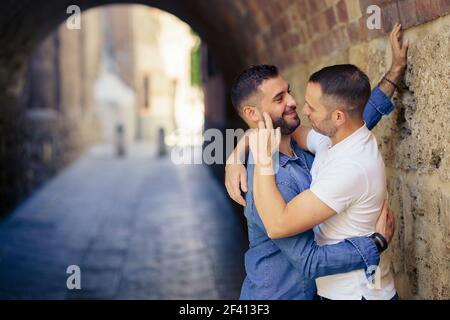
{"points": [[340, 117], [250, 113]]}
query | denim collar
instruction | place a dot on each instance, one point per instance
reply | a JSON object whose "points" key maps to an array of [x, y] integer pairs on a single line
{"points": [[284, 159]]}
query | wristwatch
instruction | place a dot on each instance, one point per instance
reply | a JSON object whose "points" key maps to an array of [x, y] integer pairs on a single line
{"points": [[380, 241]]}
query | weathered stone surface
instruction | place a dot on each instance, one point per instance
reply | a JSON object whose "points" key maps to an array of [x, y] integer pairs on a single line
{"points": [[418, 130], [421, 248], [414, 141]]}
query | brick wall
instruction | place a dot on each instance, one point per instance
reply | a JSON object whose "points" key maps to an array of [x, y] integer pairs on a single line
{"points": [[292, 32]]}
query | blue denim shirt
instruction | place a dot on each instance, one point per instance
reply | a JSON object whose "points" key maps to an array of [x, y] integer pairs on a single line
{"points": [[286, 268]]}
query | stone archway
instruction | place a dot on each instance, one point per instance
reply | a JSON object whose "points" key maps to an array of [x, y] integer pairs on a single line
{"points": [[25, 24]]}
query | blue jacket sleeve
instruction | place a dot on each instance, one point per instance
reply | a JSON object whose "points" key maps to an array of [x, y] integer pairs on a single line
{"points": [[314, 261], [378, 105]]}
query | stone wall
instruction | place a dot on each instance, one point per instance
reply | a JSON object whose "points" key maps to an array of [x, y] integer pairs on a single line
{"points": [[415, 143], [54, 121]]}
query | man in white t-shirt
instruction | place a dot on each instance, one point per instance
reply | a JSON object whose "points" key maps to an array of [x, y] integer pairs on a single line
{"points": [[348, 179]]}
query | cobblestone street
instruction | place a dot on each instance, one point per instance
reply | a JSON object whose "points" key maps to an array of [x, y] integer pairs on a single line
{"points": [[138, 227]]}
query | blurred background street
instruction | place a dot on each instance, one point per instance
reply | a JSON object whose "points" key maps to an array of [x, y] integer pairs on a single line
{"points": [[105, 105], [138, 228]]}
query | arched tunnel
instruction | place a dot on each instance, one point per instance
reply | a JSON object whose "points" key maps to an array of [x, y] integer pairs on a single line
{"points": [[299, 36], [38, 19]]}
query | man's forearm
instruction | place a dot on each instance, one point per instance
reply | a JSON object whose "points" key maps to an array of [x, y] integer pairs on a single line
{"points": [[283, 219], [270, 208], [314, 261], [390, 80]]}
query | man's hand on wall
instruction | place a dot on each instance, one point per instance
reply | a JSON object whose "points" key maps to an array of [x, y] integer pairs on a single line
{"points": [[399, 49]]}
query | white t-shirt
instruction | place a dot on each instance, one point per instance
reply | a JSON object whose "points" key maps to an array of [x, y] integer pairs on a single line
{"points": [[349, 177]]}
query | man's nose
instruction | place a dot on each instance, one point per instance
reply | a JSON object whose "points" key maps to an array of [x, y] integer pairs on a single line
{"points": [[291, 102]]}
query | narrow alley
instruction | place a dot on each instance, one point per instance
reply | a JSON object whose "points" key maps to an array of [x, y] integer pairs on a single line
{"points": [[138, 227]]}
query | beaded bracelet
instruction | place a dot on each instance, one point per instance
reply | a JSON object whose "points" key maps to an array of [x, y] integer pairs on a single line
{"points": [[391, 82]]}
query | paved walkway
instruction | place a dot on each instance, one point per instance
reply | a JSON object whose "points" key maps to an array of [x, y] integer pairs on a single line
{"points": [[138, 228]]}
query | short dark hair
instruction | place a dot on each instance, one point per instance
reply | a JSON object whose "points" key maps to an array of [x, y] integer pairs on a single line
{"points": [[247, 83], [345, 84]]}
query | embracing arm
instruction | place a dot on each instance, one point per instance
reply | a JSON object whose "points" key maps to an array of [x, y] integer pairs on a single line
{"points": [[314, 261], [330, 195], [235, 172], [283, 219]]}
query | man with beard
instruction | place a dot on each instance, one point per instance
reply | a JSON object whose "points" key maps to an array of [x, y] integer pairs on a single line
{"points": [[286, 268]]}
